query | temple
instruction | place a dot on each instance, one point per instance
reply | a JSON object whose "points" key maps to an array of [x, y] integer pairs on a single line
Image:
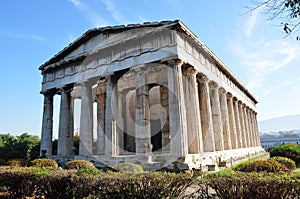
{"points": [[162, 97]]}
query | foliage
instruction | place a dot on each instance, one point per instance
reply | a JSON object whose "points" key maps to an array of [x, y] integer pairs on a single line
{"points": [[18, 162], [79, 164], [44, 162], [129, 167], [263, 165], [2, 162], [286, 10], [253, 185], [23, 146], [291, 151], [287, 162]]}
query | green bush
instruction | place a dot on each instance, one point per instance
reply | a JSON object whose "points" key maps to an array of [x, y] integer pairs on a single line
{"points": [[287, 162], [79, 164], [129, 167], [262, 165], [291, 151], [253, 185], [18, 181], [44, 162], [2, 162]]}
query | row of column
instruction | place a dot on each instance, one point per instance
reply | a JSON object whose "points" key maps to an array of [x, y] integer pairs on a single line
{"points": [[202, 117], [215, 120]]}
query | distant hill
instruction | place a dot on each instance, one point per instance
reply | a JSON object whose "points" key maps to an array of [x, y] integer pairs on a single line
{"points": [[286, 123]]}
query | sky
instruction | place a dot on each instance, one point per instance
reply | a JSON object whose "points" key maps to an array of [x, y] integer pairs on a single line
{"points": [[254, 48]]}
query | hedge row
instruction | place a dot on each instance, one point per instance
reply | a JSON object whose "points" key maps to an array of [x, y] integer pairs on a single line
{"points": [[51, 183]]}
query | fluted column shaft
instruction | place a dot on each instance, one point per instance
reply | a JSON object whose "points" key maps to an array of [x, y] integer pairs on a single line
{"points": [[238, 123], [206, 115], [232, 124], [225, 119], [100, 98], [216, 116], [242, 125], [47, 125], [164, 97], [142, 115], [86, 121], [193, 112], [111, 138], [177, 110], [64, 132]]}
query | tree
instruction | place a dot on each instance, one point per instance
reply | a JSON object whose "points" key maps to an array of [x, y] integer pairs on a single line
{"points": [[286, 10]]}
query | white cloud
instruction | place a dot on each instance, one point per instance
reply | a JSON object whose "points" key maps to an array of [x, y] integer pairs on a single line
{"points": [[112, 8], [89, 13], [251, 22]]}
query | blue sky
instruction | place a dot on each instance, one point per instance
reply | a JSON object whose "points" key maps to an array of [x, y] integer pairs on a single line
{"points": [[32, 31]]}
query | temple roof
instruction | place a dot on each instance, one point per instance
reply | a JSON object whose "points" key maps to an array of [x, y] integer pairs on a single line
{"points": [[175, 24]]}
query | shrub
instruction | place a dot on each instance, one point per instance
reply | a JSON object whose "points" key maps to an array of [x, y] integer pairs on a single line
{"points": [[44, 162], [18, 162], [254, 185], [19, 182], [287, 162], [79, 164], [129, 167], [263, 165], [286, 150]]}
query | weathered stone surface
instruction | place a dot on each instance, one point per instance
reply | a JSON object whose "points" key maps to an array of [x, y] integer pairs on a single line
{"points": [[164, 100]]}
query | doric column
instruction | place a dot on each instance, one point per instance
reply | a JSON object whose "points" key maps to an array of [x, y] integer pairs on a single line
{"points": [[251, 135], [47, 125], [100, 99], [164, 97], [247, 130], [232, 124], [194, 130], [206, 115], [256, 129], [142, 115], [225, 119], [216, 116], [86, 120], [111, 101], [64, 146], [242, 125], [177, 110], [237, 123]]}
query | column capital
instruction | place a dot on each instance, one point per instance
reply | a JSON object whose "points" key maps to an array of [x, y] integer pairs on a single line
{"points": [[222, 90], [213, 85], [189, 71], [202, 78], [229, 95], [175, 61], [50, 92]]}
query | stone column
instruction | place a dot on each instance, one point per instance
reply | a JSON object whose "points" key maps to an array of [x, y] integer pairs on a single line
{"points": [[250, 128], [206, 115], [86, 120], [122, 120], [237, 123], [216, 116], [142, 115], [225, 119], [232, 124], [194, 130], [164, 97], [247, 131], [100, 98], [111, 101], [242, 125], [177, 110], [47, 125], [256, 129], [64, 131]]}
